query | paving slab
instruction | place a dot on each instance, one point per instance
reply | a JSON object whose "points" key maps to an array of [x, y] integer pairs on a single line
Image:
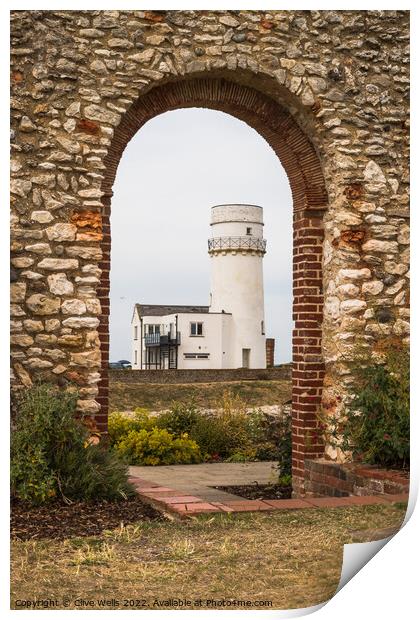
{"points": [[288, 504], [217, 473], [213, 495], [188, 490], [395, 498], [249, 505], [201, 478], [352, 500]]}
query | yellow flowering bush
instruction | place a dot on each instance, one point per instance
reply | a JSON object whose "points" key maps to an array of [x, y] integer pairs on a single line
{"points": [[120, 424], [157, 447]]}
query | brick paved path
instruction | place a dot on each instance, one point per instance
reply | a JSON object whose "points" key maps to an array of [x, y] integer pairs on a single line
{"points": [[186, 490]]}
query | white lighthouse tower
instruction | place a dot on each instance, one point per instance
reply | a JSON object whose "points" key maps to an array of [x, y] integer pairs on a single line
{"points": [[236, 248]]}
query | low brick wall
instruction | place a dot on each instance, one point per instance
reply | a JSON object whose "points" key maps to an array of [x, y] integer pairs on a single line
{"points": [[269, 351], [283, 372], [325, 478]]}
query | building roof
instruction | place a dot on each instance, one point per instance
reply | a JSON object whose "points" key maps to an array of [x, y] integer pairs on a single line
{"points": [[163, 310]]}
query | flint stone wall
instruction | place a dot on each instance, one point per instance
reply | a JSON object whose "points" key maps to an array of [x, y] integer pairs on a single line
{"points": [[342, 77]]}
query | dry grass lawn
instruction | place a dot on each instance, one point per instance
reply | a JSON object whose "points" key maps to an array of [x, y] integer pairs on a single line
{"points": [[156, 396], [292, 559]]}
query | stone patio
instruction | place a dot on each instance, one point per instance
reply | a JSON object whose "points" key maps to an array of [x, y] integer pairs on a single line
{"points": [[199, 479], [187, 490]]}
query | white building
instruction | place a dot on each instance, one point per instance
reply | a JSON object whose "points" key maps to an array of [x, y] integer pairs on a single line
{"points": [[230, 333]]}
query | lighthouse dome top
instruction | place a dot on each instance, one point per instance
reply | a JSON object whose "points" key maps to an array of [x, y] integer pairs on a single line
{"points": [[237, 213]]}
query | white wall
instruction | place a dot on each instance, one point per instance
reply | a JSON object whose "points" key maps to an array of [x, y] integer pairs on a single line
{"points": [[236, 286], [135, 344], [222, 214], [210, 342], [215, 339], [237, 229], [237, 282], [227, 341]]}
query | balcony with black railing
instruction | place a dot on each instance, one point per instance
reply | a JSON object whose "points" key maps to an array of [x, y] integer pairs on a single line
{"points": [[225, 244], [157, 340]]}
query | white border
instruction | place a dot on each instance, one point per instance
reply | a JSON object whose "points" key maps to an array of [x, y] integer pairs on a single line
{"points": [[387, 586]]}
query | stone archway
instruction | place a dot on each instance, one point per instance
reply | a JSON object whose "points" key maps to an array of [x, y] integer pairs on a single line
{"points": [[84, 81], [301, 163]]}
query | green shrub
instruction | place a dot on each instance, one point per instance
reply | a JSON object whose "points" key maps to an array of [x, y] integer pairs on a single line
{"points": [[261, 437], [255, 425], [157, 447], [285, 480], [210, 434], [144, 420], [180, 418], [223, 432], [266, 451], [31, 478], [377, 428], [120, 424], [93, 472], [51, 455], [230, 432], [241, 456], [285, 449]]}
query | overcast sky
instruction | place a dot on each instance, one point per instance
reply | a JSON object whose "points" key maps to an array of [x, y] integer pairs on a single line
{"points": [[172, 172]]}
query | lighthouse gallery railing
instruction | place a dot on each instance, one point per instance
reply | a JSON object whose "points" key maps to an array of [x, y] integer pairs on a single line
{"points": [[237, 243]]}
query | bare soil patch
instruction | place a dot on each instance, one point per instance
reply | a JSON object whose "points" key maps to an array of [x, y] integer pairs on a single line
{"points": [[60, 521], [259, 491]]}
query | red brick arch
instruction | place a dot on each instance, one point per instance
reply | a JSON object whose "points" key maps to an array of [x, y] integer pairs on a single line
{"points": [[302, 165]]}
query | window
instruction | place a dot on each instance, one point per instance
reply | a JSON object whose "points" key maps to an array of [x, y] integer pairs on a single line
{"points": [[196, 329], [152, 329], [262, 328], [196, 356], [135, 332], [249, 231], [135, 356]]}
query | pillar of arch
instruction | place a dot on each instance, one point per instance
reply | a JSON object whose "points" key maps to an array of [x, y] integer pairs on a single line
{"points": [[302, 165]]}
